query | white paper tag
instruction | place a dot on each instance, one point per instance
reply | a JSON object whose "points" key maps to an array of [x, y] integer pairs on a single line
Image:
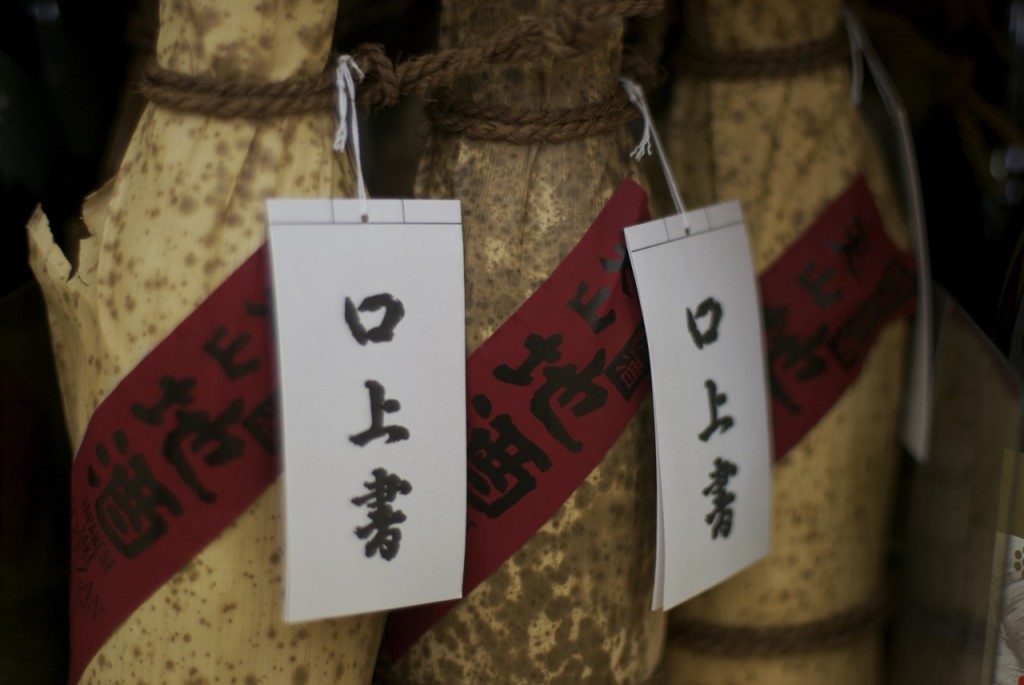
{"points": [[915, 430], [701, 310], [371, 348]]}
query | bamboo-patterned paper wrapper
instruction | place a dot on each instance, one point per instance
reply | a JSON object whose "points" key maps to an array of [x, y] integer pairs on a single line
{"points": [[572, 604], [184, 211], [788, 146]]}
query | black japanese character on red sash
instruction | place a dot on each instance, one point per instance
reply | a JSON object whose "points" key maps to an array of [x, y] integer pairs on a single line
{"points": [[540, 350], [850, 341], [196, 432], [619, 265], [227, 355], [628, 369], [173, 392], [720, 517], [569, 383], [853, 246], [715, 400], [394, 311], [814, 284], [712, 308], [378, 407], [86, 539], [128, 507], [261, 424], [259, 309], [383, 490], [499, 463], [790, 351], [589, 310]]}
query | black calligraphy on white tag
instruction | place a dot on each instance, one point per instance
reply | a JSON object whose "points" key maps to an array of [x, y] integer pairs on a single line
{"points": [[371, 348], [701, 310]]}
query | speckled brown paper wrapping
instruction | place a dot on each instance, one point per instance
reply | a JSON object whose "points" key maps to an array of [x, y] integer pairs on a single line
{"points": [[185, 209], [573, 604], [787, 147]]}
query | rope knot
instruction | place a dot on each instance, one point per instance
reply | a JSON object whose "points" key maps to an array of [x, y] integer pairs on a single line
{"points": [[381, 86], [578, 27]]}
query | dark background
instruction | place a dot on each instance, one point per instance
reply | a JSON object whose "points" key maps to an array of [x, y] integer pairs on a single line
{"points": [[67, 105]]}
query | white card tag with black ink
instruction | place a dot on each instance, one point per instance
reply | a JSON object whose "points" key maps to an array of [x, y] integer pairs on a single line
{"points": [[371, 348], [916, 428], [699, 298]]}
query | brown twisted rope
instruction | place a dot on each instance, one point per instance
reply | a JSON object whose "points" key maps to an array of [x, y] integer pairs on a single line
{"points": [[488, 122], [568, 34], [645, 41], [739, 641], [227, 99], [776, 62]]}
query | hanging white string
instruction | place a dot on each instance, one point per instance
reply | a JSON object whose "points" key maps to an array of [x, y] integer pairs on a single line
{"points": [[650, 135], [348, 121], [856, 65]]}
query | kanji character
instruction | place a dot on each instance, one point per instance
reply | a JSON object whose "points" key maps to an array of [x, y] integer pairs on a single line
{"points": [[204, 433], [720, 518], [261, 424], [499, 462], [619, 266], [570, 384], [709, 307], [540, 350], [791, 350], [173, 392], [261, 308], [384, 489], [715, 400], [378, 407], [853, 246], [226, 355], [815, 285], [394, 312], [588, 310], [128, 507], [630, 367]]}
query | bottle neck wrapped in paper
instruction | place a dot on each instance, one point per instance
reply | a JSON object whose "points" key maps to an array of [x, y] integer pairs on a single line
{"points": [[548, 82], [248, 40], [732, 25]]}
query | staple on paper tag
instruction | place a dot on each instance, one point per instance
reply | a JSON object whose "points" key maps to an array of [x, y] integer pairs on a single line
{"points": [[371, 348]]}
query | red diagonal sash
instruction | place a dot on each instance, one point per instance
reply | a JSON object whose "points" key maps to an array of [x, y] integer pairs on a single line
{"points": [[185, 443], [815, 348], [548, 394], [825, 301], [180, 448]]}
